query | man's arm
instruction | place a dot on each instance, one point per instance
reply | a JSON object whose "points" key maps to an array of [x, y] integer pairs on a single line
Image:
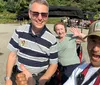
{"points": [[48, 74], [10, 63]]}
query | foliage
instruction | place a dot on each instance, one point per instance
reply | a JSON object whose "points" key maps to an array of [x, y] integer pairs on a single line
{"points": [[6, 17], [14, 6], [97, 15], [88, 5], [2, 5], [62, 2]]}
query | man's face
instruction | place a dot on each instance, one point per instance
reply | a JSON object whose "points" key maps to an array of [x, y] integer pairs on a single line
{"points": [[39, 15], [60, 30], [93, 47]]}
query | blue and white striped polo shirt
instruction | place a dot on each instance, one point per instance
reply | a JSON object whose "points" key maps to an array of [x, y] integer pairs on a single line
{"points": [[36, 52]]}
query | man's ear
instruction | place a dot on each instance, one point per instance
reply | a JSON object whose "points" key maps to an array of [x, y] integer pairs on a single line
{"points": [[29, 14]]}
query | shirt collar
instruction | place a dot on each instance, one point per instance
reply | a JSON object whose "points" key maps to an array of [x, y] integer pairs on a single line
{"points": [[41, 33]]}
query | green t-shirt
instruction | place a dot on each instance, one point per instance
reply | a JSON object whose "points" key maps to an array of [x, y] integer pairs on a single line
{"points": [[67, 54]]}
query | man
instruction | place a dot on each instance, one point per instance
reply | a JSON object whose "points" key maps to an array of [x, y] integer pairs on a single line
{"points": [[85, 74], [34, 46], [89, 74]]}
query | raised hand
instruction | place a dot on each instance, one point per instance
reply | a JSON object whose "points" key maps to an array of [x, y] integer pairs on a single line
{"points": [[75, 32]]}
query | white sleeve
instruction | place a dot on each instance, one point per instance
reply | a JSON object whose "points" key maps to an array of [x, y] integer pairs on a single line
{"points": [[72, 78]]}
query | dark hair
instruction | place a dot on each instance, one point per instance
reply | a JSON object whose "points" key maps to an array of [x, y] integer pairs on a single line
{"points": [[60, 23]]}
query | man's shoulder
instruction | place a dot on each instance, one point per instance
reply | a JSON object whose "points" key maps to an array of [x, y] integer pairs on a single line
{"points": [[80, 68], [23, 28], [83, 66], [49, 37], [49, 33]]}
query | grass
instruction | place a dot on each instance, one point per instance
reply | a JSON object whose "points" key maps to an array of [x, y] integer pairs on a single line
{"points": [[53, 20], [7, 17]]}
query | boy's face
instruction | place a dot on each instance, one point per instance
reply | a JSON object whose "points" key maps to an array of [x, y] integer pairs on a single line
{"points": [[93, 47]]}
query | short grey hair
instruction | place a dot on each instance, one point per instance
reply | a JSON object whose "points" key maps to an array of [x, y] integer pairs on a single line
{"points": [[44, 2]]}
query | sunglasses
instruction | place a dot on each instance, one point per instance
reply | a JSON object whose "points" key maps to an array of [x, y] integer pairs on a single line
{"points": [[36, 14]]}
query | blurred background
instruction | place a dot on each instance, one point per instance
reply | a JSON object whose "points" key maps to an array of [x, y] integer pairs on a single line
{"points": [[15, 11]]}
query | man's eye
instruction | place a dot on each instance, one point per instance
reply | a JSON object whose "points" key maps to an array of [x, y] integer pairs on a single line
{"points": [[93, 41]]}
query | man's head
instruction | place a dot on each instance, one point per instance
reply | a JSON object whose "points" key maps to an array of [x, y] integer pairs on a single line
{"points": [[38, 13], [93, 46]]}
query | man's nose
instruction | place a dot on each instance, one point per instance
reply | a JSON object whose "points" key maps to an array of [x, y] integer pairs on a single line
{"points": [[40, 16], [96, 47]]}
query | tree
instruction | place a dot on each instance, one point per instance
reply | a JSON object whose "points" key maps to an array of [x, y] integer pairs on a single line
{"points": [[11, 5], [2, 5], [88, 5], [16, 5]]}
